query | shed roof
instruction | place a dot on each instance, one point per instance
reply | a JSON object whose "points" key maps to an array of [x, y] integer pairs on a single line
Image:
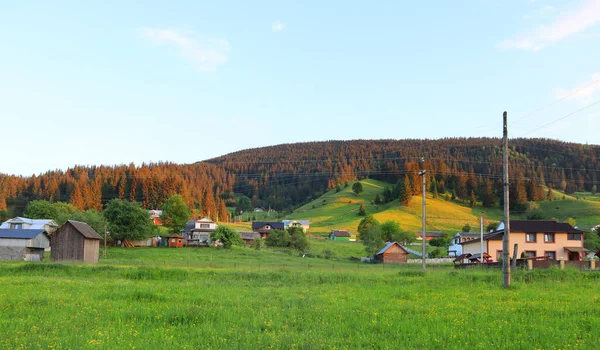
{"points": [[20, 233], [388, 247], [430, 234], [249, 235], [340, 233], [85, 229]]}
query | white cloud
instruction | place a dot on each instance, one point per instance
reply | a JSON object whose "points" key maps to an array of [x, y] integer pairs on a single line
{"points": [[582, 92], [205, 54], [278, 26], [571, 22]]}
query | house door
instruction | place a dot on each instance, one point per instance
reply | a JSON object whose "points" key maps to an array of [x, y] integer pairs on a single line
{"points": [[573, 256]]}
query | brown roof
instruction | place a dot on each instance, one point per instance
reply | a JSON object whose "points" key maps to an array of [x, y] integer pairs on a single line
{"points": [[430, 234], [541, 226], [85, 229], [249, 235], [340, 233]]}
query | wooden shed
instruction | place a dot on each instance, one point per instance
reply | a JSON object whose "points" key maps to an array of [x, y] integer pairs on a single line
{"points": [[175, 241], [75, 241], [393, 253], [23, 244]]}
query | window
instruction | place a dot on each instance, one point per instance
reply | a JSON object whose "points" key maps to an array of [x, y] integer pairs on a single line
{"points": [[530, 237], [549, 237], [550, 255], [204, 225], [498, 255], [16, 226], [530, 253], [574, 236]]}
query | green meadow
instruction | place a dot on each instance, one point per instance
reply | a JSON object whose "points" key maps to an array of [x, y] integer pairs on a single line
{"points": [[244, 299], [339, 210]]}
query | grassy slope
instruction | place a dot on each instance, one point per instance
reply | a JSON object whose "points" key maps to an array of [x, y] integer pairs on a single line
{"points": [[340, 211]]}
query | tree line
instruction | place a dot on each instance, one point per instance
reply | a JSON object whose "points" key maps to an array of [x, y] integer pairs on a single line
{"points": [[284, 176]]}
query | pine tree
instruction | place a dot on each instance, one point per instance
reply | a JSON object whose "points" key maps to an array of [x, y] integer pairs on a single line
{"points": [[472, 202], [488, 197], [405, 191], [2, 202], [77, 198], [550, 194]]}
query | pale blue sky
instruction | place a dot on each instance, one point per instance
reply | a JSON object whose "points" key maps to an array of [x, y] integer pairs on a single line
{"points": [[111, 82]]}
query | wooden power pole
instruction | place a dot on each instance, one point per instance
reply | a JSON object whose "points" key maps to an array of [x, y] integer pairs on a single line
{"points": [[424, 233], [505, 238]]}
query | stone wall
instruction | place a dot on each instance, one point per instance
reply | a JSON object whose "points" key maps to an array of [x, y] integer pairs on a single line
{"points": [[12, 253]]}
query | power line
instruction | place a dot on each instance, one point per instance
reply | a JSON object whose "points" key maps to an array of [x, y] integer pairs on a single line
{"points": [[556, 101], [561, 118]]}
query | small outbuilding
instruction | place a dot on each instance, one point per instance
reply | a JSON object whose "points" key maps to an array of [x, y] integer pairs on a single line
{"points": [[392, 253], [175, 241], [75, 241], [23, 244]]}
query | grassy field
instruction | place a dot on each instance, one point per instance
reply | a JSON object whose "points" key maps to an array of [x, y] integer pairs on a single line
{"points": [[242, 299]]}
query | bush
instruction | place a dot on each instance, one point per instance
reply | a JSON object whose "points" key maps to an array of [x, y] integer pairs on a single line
{"points": [[436, 253]]}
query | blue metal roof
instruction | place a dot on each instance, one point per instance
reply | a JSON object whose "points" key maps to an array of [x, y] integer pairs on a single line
{"points": [[19, 233], [386, 248]]}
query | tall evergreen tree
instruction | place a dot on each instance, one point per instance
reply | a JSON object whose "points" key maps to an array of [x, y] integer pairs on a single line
{"points": [[405, 191]]}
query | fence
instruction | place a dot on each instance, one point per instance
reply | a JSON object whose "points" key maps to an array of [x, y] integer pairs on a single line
{"points": [[431, 261]]}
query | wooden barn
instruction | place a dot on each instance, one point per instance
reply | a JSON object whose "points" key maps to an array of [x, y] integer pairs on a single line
{"points": [[75, 241], [393, 253], [23, 244]]}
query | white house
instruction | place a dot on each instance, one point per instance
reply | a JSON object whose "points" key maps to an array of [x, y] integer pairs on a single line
{"points": [[23, 244], [30, 224], [198, 231]]}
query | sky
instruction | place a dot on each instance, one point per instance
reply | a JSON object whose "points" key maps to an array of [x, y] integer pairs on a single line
{"points": [[116, 82]]}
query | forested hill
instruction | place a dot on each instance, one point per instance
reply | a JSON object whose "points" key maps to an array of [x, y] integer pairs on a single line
{"points": [[286, 175], [292, 173]]}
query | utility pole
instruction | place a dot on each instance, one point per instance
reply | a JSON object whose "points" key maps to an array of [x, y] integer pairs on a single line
{"points": [[505, 239], [481, 236], [423, 234]]}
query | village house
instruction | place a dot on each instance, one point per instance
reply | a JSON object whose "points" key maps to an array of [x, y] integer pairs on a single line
{"points": [[30, 224], [535, 238], [392, 253], [342, 235], [197, 232], [75, 241], [23, 244], [303, 224], [155, 216], [263, 228], [455, 248]]}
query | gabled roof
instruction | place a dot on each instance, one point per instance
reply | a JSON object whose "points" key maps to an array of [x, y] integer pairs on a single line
{"points": [[468, 234], [430, 234], [85, 230], [35, 223], [249, 235], [206, 220], [541, 226], [340, 233], [20, 233], [275, 225], [388, 247]]}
